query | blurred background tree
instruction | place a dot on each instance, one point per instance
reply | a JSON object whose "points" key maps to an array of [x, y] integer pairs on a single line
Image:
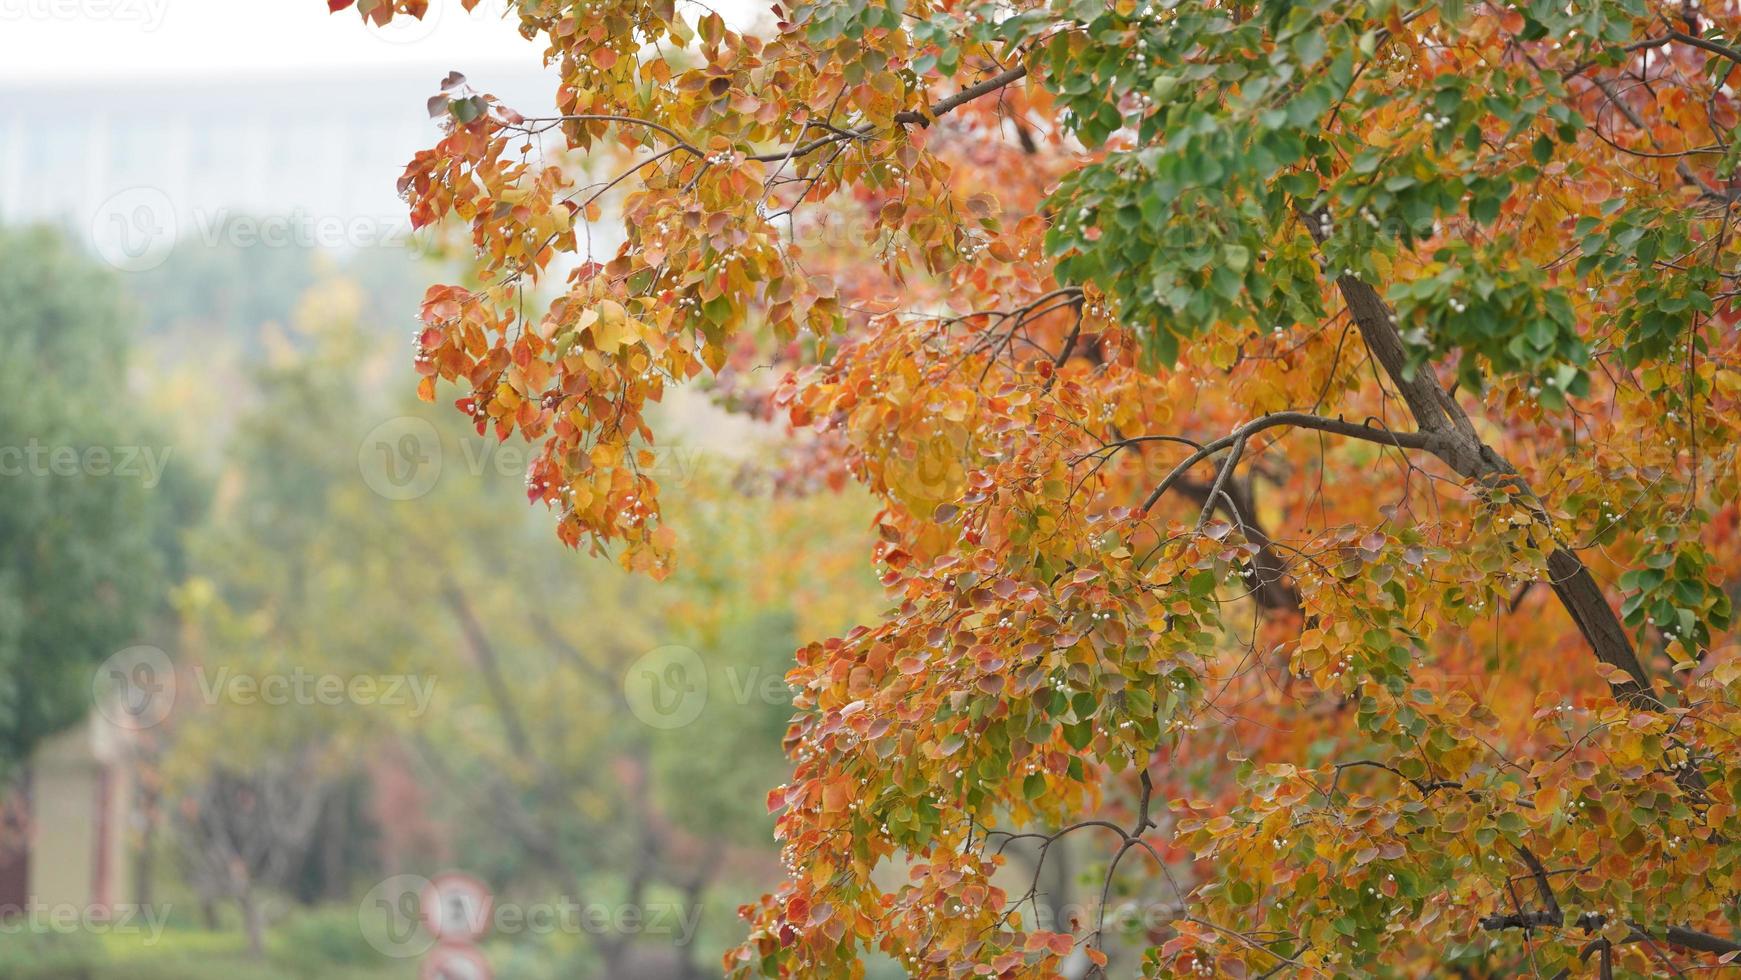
{"points": [[290, 534], [94, 496], [527, 767]]}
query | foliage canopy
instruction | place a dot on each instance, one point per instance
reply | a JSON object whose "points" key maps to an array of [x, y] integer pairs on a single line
{"points": [[1306, 434]]}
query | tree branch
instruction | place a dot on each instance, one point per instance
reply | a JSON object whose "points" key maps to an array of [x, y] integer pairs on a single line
{"points": [[1457, 443], [1689, 939], [1299, 420], [1267, 576], [905, 117], [1720, 50], [485, 655]]}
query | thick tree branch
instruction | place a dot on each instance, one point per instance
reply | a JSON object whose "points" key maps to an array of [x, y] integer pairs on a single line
{"points": [[1456, 442], [964, 96], [1679, 936], [1268, 574], [1704, 44]]}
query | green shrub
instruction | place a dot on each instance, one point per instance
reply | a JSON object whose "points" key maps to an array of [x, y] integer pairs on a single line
{"points": [[308, 941]]}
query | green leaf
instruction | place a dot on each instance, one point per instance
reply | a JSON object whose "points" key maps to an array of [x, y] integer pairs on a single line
{"points": [[1079, 735], [1203, 583], [1309, 48]]}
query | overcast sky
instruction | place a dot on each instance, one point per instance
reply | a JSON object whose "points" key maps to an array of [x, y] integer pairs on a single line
{"points": [[173, 113], [57, 40]]}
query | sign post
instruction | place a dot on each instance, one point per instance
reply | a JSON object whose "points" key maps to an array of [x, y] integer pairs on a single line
{"points": [[456, 910]]}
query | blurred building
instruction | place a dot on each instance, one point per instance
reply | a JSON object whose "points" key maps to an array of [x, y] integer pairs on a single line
{"points": [[70, 816], [151, 160]]}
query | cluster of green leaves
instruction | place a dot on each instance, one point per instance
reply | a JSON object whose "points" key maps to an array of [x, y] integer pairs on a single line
{"points": [[1598, 25], [1171, 237], [1237, 147], [1672, 594], [1643, 251], [1409, 187], [1499, 317], [1199, 225], [825, 20]]}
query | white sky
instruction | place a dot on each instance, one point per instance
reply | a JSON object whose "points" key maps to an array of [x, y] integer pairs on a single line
{"points": [[94, 134], [59, 40]]}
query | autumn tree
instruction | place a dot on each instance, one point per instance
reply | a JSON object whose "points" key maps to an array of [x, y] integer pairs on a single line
{"points": [[1305, 433]]}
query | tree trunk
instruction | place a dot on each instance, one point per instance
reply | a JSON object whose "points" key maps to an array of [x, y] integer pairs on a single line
{"points": [[253, 923]]}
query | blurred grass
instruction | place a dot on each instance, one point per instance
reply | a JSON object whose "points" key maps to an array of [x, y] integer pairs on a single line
{"points": [[306, 944], [317, 945]]}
